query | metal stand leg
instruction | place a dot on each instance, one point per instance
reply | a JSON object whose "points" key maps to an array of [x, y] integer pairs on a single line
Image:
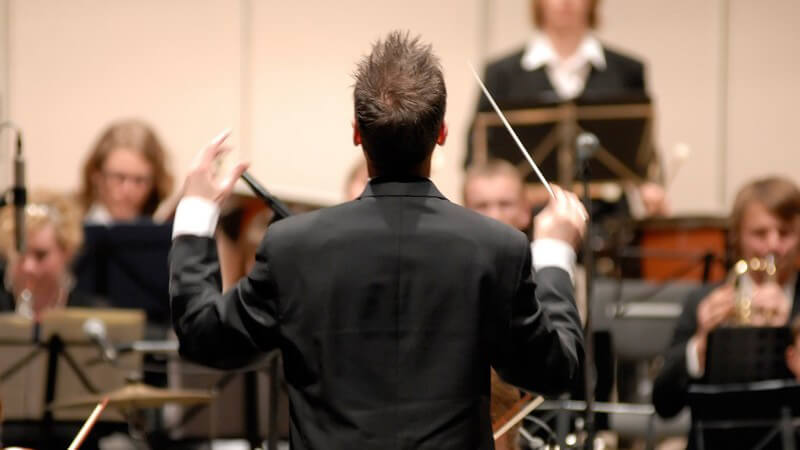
{"points": [[651, 432], [787, 429], [274, 391]]}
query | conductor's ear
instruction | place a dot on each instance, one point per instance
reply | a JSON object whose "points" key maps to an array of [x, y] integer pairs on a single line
{"points": [[356, 134], [442, 134]]}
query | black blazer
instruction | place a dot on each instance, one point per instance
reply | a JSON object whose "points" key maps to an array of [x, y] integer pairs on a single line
{"points": [[513, 86], [388, 311], [671, 386]]}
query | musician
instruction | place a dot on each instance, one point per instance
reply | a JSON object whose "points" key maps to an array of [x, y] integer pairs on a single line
{"points": [[561, 61], [390, 309], [125, 177], [495, 189], [765, 220], [40, 279]]}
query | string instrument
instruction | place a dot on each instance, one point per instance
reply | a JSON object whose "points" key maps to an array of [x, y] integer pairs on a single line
{"points": [[515, 414]]}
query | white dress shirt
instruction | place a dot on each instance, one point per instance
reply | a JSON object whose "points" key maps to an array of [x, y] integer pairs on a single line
{"points": [[98, 215], [568, 76]]}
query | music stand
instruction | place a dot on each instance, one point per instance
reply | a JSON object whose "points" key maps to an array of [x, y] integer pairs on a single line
{"points": [[745, 399], [52, 367], [622, 123], [236, 411], [747, 354]]}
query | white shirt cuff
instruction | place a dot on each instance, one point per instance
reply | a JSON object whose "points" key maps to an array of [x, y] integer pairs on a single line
{"points": [[195, 216], [692, 360], [553, 253]]}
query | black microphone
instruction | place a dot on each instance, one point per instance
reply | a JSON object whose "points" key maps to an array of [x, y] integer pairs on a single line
{"points": [[20, 196], [586, 144], [95, 329]]}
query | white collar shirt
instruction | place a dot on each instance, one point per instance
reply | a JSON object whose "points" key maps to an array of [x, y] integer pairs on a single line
{"points": [[568, 76]]}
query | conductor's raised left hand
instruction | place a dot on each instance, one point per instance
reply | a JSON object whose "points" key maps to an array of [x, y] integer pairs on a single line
{"points": [[201, 181]]}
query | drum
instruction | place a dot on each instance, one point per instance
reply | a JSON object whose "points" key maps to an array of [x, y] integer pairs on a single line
{"points": [[687, 248]]}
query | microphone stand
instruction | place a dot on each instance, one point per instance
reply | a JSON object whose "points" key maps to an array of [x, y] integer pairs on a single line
{"points": [[19, 193], [586, 144]]}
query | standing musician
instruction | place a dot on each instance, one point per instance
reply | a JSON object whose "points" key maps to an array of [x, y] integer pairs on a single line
{"points": [[765, 223], [390, 309], [563, 60]]}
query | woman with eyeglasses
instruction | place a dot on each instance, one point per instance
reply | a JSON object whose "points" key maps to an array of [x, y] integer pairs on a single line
{"points": [[125, 177]]}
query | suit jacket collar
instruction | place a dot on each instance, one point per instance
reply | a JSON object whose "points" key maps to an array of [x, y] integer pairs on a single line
{"points": [[401, 186]]}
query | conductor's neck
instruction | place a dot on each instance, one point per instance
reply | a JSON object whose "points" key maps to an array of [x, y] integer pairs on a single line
{"points": [[421, 170]]}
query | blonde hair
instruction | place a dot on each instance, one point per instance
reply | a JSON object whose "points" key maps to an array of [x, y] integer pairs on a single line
{"points": [[779, 195], [133, 135], [45, 208]]}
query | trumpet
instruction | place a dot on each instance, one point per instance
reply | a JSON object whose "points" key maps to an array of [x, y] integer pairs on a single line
{"points": [[743, 301]]}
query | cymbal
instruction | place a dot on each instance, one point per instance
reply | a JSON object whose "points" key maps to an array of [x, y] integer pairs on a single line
{"points": [[138, 396]]}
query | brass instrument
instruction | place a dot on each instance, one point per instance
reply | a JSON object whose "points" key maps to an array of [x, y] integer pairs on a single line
{"points": [[743, 301]]}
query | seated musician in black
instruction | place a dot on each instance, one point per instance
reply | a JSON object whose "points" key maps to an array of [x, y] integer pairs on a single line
{"points": [[765, 221], [126, 177], [39, 279]]}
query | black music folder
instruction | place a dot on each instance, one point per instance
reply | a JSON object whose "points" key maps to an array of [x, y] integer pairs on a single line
{"points": [[747, 354], [128, 265], [748, 398]]}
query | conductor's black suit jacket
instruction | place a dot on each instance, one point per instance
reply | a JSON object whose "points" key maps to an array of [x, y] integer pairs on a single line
{"points": [[388, 311]]}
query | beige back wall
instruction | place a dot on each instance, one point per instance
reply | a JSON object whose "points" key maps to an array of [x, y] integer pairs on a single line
{"points": [[5, 138], [303, 57], [764, 93], [721, 73], [75, 66]]}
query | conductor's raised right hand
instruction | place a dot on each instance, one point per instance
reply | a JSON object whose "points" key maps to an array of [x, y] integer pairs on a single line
{"points": [[564, 218]]}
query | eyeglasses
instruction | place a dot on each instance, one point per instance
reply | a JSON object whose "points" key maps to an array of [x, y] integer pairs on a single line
{"points": [[120, 178]]}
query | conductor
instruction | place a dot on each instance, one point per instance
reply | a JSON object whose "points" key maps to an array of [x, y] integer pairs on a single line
{"points": [[389, 309]]}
